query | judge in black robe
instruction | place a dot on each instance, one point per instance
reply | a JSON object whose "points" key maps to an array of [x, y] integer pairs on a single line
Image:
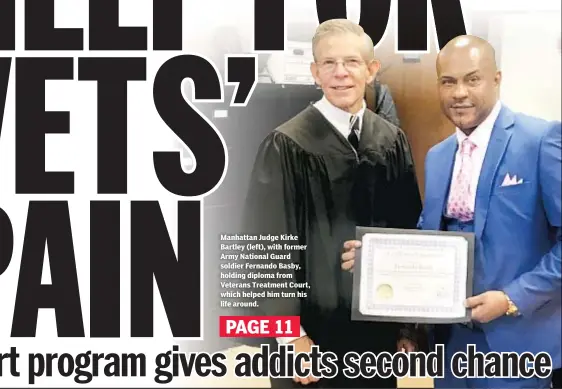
{"points": [[309, 181]]}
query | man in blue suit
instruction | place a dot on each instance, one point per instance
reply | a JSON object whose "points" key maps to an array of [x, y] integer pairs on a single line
{"points": [[498, 176]]}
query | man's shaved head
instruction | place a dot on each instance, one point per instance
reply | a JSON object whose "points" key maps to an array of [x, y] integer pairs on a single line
{"points": [[471, 46], [469, 81]]}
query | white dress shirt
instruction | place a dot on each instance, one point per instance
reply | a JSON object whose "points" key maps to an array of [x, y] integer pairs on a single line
{"points": [[480, 137], [341, 120]]}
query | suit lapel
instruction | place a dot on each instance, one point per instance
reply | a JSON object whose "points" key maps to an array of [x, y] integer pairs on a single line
{"points": [[442, 180], [496, 149]]}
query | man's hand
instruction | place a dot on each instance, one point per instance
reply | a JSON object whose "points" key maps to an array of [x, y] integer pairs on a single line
{"points": [[487, 306], [406, 346], [348, 256], [304, 345]]}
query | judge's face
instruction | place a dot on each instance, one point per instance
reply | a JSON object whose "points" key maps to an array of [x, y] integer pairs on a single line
{"points": [[341, 70], [468, 86]]}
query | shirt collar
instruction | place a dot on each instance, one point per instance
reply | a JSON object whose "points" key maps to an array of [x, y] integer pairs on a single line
{"points": [[481, 134], [338, 117]]}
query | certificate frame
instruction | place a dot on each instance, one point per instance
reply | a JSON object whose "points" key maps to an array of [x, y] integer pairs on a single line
{"points": [[356, 314]]}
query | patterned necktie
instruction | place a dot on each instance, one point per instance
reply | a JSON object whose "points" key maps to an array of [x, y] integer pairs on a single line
{"points": [[352, 137], [459, 198]]}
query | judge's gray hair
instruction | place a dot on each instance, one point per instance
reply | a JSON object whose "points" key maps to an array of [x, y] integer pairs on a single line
{"points": [[341, 26]]}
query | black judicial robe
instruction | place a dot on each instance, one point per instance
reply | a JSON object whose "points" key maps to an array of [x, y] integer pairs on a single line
{"points": [[308, 181]]}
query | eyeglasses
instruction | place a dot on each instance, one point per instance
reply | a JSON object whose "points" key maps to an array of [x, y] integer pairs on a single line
{"points": [[350, 64]]}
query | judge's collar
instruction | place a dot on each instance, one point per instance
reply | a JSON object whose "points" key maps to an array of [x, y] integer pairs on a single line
{"points": [[339, 118]]}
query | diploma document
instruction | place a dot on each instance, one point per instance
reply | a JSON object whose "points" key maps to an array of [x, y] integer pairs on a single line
{"points": [[412, 276]]}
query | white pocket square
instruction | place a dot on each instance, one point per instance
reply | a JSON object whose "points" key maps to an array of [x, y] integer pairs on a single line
{"points": [[510, 181]]}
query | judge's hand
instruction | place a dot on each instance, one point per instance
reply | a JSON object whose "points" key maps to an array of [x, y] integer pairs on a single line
{"points": [[348, 256], [406, 346], [304, 345], [487, 306]]}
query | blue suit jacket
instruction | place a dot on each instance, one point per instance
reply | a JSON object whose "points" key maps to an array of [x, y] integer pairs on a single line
{"points": [[517, 228]]}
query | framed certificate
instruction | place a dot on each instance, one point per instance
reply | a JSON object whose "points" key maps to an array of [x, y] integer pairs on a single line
{"points": [[412, 276]]}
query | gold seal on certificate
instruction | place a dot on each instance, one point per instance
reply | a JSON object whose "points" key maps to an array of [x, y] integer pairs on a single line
{"points": [[412, 276], [384, 291]]}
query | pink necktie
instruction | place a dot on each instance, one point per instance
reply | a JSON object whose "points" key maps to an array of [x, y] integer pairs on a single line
{"points": [[459, 198]]}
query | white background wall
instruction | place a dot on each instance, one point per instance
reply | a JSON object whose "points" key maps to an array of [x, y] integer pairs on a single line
{"points": [[526, 35], [530, 62]]}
